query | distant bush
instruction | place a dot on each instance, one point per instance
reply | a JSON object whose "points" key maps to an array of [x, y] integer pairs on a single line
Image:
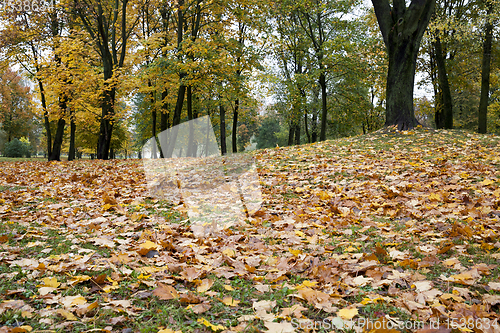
{"points": [[16, 148]]}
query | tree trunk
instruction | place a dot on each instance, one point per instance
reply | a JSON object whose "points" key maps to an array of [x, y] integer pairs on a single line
{"points": [[222, 117], [58, 139], [447, 113], [46, 119], [165, 113], [235, 125], [324, 111], [107, 109], [72, 148], [400, 82], [177, 117], [291, 133], [107, 117], [485, 75], [306, 129], [402, 30], [297, 133], [189, 99]]}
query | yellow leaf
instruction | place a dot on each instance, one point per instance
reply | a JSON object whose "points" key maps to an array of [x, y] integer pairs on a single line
{"points": [[66, 314], [294, 252], [351, 249], [214, 328], [78, 278], [229, 252], [309, 283], [229, 301], [299, 189], [51, 282], [144, 277], [205, 285], [487, 182], [107, 207], [228, 287], [147, 246], [434, 197], [168, 330], [300, 233], [26, 314], [347, 313]]}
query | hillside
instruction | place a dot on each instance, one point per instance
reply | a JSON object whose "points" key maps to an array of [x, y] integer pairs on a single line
{"points": [[385, 232]]}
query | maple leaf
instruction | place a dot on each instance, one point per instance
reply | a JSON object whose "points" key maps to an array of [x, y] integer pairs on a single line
{"points": [[165, 292]]}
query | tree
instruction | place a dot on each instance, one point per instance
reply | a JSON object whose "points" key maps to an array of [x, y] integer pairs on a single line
{"points": [[402, 29], [486, 67], [266, 136], [109, 27], [16, 113]]}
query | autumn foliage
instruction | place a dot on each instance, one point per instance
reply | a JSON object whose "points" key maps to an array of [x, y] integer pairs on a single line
{"points": [[387, 229]]}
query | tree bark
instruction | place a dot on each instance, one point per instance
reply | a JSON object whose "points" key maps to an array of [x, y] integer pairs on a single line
{"points": [[297, 133], [402, 30], [447, 110], [235, 125], [222, 117], [165, 113], [46, 119], [191, 147], [58, 139], [306, 129], [72, 127], [291, 133], [324, 110], [485, 75]]}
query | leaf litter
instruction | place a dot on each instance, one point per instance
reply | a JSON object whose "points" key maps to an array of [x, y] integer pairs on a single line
{"points": [[397, 227]]}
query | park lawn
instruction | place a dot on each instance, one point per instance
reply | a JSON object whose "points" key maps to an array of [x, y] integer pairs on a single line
{"points": [[392, 230]]}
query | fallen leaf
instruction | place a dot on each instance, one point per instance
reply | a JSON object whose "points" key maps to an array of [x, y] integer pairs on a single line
{"points": [[229, 301], [165, 292], [347, 313], [214, 328]]}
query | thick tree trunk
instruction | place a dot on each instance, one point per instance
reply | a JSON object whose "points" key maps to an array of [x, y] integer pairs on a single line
{"points": [[106, 128], [485, 76], [402, 29], [400, 82], [324, 110], [235, 125], [447, 111], [58, 139], [107, 109]]}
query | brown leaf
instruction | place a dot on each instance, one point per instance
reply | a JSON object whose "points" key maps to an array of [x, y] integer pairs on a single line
{"points": [[165, 292]]}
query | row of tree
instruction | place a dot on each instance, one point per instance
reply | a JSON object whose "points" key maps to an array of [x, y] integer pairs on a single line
{"points": [[109, 74]]}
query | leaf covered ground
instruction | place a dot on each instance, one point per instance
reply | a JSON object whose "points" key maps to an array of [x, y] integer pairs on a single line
{"points": [[390, 232]]}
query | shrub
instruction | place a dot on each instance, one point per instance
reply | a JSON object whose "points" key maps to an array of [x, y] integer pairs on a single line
{"points": [[16, 148]]}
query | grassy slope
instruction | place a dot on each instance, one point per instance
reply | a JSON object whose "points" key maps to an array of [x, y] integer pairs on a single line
{"points": [[391, 225]]}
